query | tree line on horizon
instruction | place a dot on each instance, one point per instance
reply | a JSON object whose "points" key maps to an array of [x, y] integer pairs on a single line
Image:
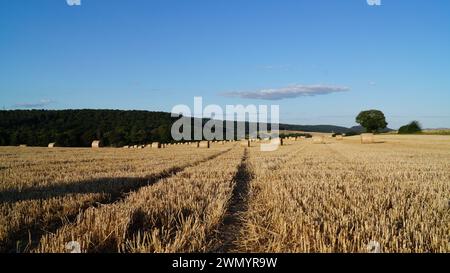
{"points": [[78, 128], [116, 128]]}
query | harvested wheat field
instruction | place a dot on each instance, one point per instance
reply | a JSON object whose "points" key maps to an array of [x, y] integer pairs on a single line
{"points": [[339, 196]]}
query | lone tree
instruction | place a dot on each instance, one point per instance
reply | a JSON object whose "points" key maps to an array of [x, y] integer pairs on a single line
{"points": [[411, 128], [372, 120]]}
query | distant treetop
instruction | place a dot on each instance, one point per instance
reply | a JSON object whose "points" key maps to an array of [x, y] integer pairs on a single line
{"points": [[372, 120]]}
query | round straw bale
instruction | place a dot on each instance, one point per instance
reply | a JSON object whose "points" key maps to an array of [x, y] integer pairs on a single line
{"points": [[156, 145], [318, 139], [367, 138], [245, 142], [96, 144], [204, 144]]}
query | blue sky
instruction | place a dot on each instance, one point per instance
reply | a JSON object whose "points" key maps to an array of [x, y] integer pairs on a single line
{"points": [[322, 61]]}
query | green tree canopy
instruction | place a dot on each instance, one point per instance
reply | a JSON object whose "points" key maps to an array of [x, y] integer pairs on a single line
{"points": [[412, 128], [372, 120], [78, 128]]}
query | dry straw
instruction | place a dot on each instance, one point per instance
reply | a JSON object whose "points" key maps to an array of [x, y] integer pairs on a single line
{"points": [[339, 137], [278, 141], [156, 145], [367, 138], [318, 139], [195, 144], [96, 144], [52, 145], [204, 144], [328, 187], [245, 143]]}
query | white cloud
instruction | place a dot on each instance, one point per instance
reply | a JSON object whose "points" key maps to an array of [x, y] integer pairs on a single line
{"points": [[73, 2], [39, 104], [288, 92]]}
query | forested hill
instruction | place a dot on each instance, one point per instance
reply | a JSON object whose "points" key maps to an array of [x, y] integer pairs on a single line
{"points": [[78, 128], [315, 128]]}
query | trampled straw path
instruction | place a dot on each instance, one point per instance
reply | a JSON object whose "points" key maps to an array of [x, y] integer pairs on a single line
{"points": [[232, 222], [230, 229]]}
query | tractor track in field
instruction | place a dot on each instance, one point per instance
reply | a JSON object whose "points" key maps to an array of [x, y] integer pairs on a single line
{"points": [[229, 229], [232, 222]]}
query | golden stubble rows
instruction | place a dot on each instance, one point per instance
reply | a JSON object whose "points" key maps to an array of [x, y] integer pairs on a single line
{"points": [[43, 189], [337, 197], [304, 197], [178, 214]]}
